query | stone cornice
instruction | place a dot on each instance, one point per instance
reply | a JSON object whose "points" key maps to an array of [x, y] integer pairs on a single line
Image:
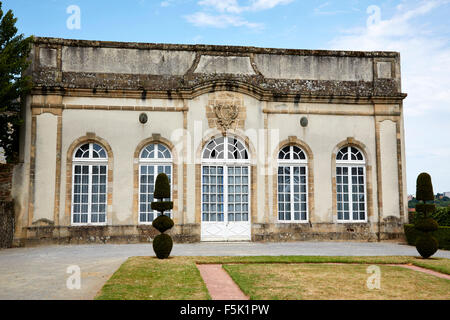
{"points": [[205, 49], [188, 94]]}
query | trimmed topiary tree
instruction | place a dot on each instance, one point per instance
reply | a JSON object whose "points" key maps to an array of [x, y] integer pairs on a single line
{"points": [[162, 244], [424, 187], [426, 244]]}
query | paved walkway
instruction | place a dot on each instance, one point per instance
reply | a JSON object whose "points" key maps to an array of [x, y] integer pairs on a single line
{"points": [[40, 273], [219, 283]]}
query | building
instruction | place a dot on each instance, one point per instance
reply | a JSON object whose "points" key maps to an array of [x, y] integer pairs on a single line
{"points": [[259, 144]]}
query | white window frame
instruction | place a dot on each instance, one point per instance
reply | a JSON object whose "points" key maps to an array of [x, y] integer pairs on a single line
{"points": [[352, 164], [90, 162], [225, 164], [291, 163], [155, 162]]}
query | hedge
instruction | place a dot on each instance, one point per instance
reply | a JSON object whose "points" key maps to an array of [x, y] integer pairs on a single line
{"points": [[441, 215], [442, 235]]}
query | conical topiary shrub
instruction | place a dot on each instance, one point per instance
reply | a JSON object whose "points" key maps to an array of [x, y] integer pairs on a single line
{"points": [[162, 244], [424, 187], [426, 244]]}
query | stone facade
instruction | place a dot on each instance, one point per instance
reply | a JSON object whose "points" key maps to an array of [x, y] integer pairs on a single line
{"points": [[94, 92]]}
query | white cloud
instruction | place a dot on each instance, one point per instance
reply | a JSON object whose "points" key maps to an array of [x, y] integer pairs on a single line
{"points": [[425, 62], [230, 12], [267, 4], [425, 55], [230, 6], [166, 3], [202, 19], [321, 10], [233, 6]]}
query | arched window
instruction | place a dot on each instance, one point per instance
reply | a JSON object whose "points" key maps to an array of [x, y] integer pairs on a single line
{"points": [[155, 158], [350, 185], [90, 184], [225, 181], [292, 185]]}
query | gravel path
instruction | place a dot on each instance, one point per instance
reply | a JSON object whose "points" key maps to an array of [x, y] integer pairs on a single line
{"points": [[41, 272]]}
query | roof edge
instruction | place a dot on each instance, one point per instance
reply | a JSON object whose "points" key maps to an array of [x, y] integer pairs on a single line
{"points": [[211, 48]]}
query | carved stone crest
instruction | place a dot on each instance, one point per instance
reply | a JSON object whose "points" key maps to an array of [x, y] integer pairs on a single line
{"points": [[226, 114], [225, 111]]}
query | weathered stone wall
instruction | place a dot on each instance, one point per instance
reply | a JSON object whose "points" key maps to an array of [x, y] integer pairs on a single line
{"points": [[189, 233], [38, 235], [328, 231]]}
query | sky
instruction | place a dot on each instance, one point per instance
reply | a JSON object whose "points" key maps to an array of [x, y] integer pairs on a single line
{"points": [[418, 29]]}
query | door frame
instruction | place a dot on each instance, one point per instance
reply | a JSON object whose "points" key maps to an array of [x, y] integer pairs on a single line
{"points": [[225, 222]]}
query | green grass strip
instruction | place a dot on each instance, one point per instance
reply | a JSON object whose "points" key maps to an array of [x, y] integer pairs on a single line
{"points": [[436, 264], [148, 278], [178, 278]]}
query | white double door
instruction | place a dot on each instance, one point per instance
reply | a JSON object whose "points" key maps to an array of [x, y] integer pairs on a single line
{"points": [[225, 203]]}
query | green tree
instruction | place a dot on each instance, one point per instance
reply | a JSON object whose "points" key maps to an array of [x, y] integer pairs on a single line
{"points": [[412, 203], [14, 50]]}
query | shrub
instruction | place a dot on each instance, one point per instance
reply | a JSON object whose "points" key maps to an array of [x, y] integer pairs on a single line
{"points": [[162, 206], [426, 225], [162, 187], [162, 245], [427, 245], [424, 187], [441, 215], [442, 234], [162, 223], [425, 208]]}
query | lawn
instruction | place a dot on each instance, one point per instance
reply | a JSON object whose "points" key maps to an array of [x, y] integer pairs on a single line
{"points": [[278, 277], [439, 265], [149, 278], [330, 281], [436, 264]]}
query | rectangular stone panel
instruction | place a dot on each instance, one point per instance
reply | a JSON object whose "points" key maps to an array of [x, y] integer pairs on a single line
{"points": [[127, 61], [47, 57], [389, 168], [315, 67], [46, 130], [223, 64]]}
